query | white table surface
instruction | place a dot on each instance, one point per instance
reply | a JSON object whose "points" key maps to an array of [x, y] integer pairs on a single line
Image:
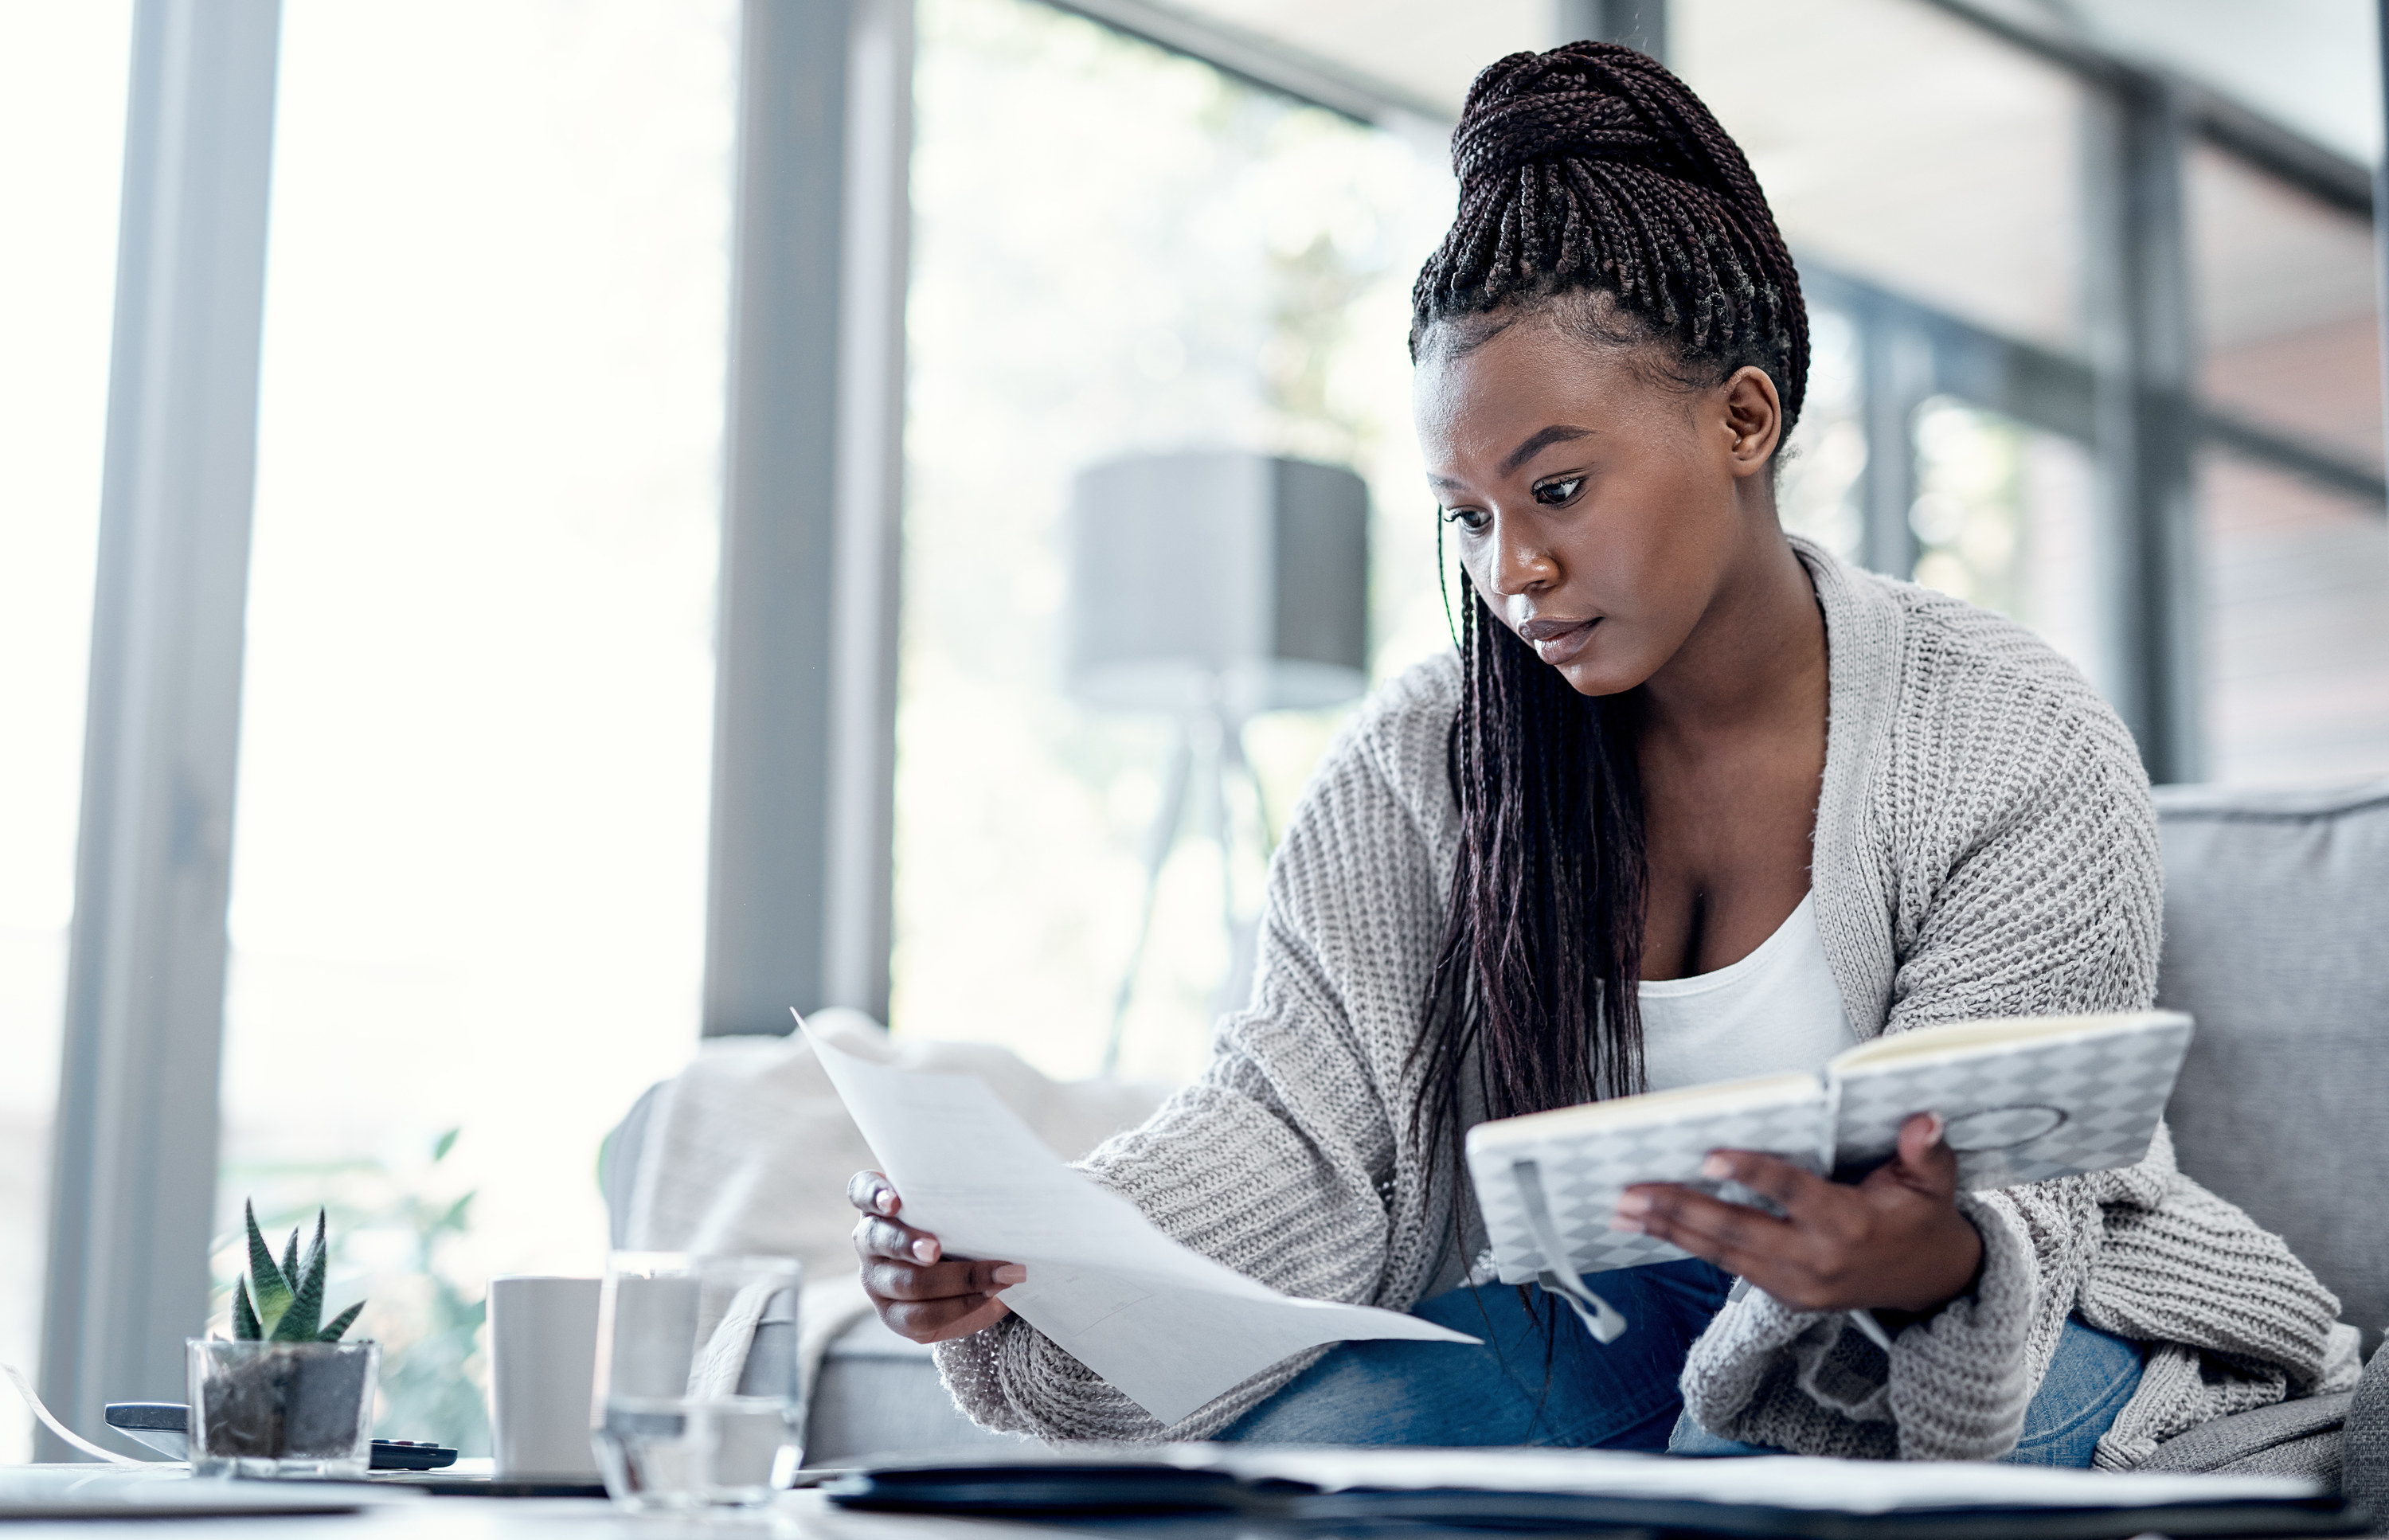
{"points": [[794, 1515]]}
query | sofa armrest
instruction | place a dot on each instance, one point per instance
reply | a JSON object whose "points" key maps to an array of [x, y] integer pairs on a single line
{"points": [[618, 1162], [2289, 1438], [2365, 1459]]}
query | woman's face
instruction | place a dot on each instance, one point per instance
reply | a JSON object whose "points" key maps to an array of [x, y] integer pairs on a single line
{"points": [[1599, 509]]}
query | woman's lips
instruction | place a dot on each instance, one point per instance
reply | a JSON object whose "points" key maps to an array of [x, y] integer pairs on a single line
{"points": [[1557, 641]]}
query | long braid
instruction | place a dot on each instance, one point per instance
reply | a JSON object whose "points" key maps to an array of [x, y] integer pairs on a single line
{"points": [[1587, 172]]}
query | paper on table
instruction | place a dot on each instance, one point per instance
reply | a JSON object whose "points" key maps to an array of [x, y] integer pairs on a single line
{"points": [[1778, 1480], [1171, 1330]]}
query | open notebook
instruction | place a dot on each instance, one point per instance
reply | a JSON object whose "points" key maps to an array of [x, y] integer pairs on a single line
{"points": [[2025, 1098]]}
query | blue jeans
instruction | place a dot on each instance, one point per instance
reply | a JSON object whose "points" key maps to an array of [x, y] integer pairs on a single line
{"points": [[1540, 1379]]}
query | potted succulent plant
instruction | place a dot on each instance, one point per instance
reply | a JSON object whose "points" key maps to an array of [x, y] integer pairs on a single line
{"points": [[285, 1396]]}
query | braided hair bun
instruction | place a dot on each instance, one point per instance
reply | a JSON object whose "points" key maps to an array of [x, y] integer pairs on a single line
{"points": [[1590, 168]]}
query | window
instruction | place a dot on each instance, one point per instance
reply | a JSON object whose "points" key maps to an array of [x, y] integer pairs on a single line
{"points": [[468, 875], [1116, 249], [2002, 519], [1905, 147], [1430, 49], [1928, 177], [2287, 308], [1818, 490], [2296, 581], [62, 78], [2295, 568]]}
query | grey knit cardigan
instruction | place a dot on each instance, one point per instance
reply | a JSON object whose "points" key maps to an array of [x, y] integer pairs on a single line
{"points": [[1984, 846]]}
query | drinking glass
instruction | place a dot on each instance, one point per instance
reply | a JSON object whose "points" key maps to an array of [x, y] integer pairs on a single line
{"points": [[695, 1402]]}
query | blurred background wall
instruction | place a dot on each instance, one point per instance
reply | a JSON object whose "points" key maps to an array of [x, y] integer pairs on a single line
{"points": [[2096, 309]]}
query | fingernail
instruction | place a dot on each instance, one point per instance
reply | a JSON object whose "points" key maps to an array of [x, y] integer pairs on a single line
{"points": [[884, 1200], [1717, 1168], [1633, 1203], [1939, 1126], [925, 1249], [1010, 1272], [1631, 1227]]}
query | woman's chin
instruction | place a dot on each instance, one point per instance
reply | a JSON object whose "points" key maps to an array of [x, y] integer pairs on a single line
{"points": [[1588, 675]]}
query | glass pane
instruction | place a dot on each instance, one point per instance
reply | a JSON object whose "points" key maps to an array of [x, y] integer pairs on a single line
{"points": [[2313, 68], [468, 880], [1816, 492], [1427, 47], [2297, 627], [1903, 144], [62, 74], [1219, 267], [2002, 519], [2287, 310]]}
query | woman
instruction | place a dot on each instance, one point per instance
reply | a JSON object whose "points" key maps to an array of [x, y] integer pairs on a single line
{"points": [[1694, 801]]}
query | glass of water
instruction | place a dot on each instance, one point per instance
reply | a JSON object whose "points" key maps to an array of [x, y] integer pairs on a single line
{"points": [[696, 1398]]}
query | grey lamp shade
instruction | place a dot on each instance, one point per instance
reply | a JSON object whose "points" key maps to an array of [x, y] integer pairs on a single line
{"points": [[1218, 581]]}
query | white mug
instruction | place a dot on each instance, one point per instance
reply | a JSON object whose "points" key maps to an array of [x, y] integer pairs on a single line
{"points": [[543, 1360]]}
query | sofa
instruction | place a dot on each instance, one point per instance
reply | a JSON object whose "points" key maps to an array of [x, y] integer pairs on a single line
{"points": [[2276, 938]]}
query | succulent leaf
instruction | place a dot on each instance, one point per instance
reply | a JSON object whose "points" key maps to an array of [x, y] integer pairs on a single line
{"points": [[271, 1285], [305, 1317], [245, 1328], [283, 1301]]}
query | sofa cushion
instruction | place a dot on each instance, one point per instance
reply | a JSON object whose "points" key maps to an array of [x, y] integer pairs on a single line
{"points": [[2277, 940], [2365, 1456]]}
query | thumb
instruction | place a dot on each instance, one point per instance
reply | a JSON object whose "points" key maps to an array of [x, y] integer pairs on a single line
{"points": [[1925, 1158]]}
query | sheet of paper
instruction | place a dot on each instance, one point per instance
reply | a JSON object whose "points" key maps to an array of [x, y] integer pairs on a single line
{"points": [[1169, 1329], [1780, 1480]]}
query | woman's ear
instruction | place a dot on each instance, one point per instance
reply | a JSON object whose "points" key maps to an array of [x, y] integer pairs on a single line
{"points": [[1754, 420]]}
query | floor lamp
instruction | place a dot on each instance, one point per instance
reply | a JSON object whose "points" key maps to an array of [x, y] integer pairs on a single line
{"points": [[1212, 586]]}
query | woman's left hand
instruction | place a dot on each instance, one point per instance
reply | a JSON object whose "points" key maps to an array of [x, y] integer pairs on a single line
{"points": [[1894, 1242]]}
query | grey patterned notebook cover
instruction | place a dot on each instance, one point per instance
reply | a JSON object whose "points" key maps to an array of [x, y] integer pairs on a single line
{"points": [[2026, 1098]]}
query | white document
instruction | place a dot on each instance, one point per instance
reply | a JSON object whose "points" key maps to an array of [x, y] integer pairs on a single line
{"points": [[1800, 1481], [1169, 1329]]}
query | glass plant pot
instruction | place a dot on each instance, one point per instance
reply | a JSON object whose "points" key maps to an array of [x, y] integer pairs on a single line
{"points": [[288, 1410]]}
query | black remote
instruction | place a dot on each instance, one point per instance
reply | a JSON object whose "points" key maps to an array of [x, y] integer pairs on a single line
{"points": [[399, 1454]]}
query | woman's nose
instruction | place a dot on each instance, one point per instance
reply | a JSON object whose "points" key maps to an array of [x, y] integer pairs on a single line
{"points": [[1519, 567]]}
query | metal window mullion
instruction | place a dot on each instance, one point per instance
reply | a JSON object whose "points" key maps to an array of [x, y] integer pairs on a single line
{"points": [[2142, 355], [2380, 208], [1637, 23], [1895, 375], [802, 854], [858, 921], [133, 1161]]}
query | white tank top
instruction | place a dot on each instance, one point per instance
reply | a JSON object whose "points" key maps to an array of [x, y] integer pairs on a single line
{"points": [[1776, 1009]]}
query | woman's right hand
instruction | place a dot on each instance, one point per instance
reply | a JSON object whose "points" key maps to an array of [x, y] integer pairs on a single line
{"points": [[917, 1293]]}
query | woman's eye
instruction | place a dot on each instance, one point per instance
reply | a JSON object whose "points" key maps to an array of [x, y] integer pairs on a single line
{"points": [[1551, 495], [1470, 519]]}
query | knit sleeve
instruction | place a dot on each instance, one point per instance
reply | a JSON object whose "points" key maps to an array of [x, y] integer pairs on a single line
{"points": [[1277, 1161], [2027, 880]]}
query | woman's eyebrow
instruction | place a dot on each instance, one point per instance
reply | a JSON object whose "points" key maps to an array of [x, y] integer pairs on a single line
{"points": [[1558, 433]]}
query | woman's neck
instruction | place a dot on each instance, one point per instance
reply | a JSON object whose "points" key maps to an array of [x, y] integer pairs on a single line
{"points": [[1756, 659]]}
